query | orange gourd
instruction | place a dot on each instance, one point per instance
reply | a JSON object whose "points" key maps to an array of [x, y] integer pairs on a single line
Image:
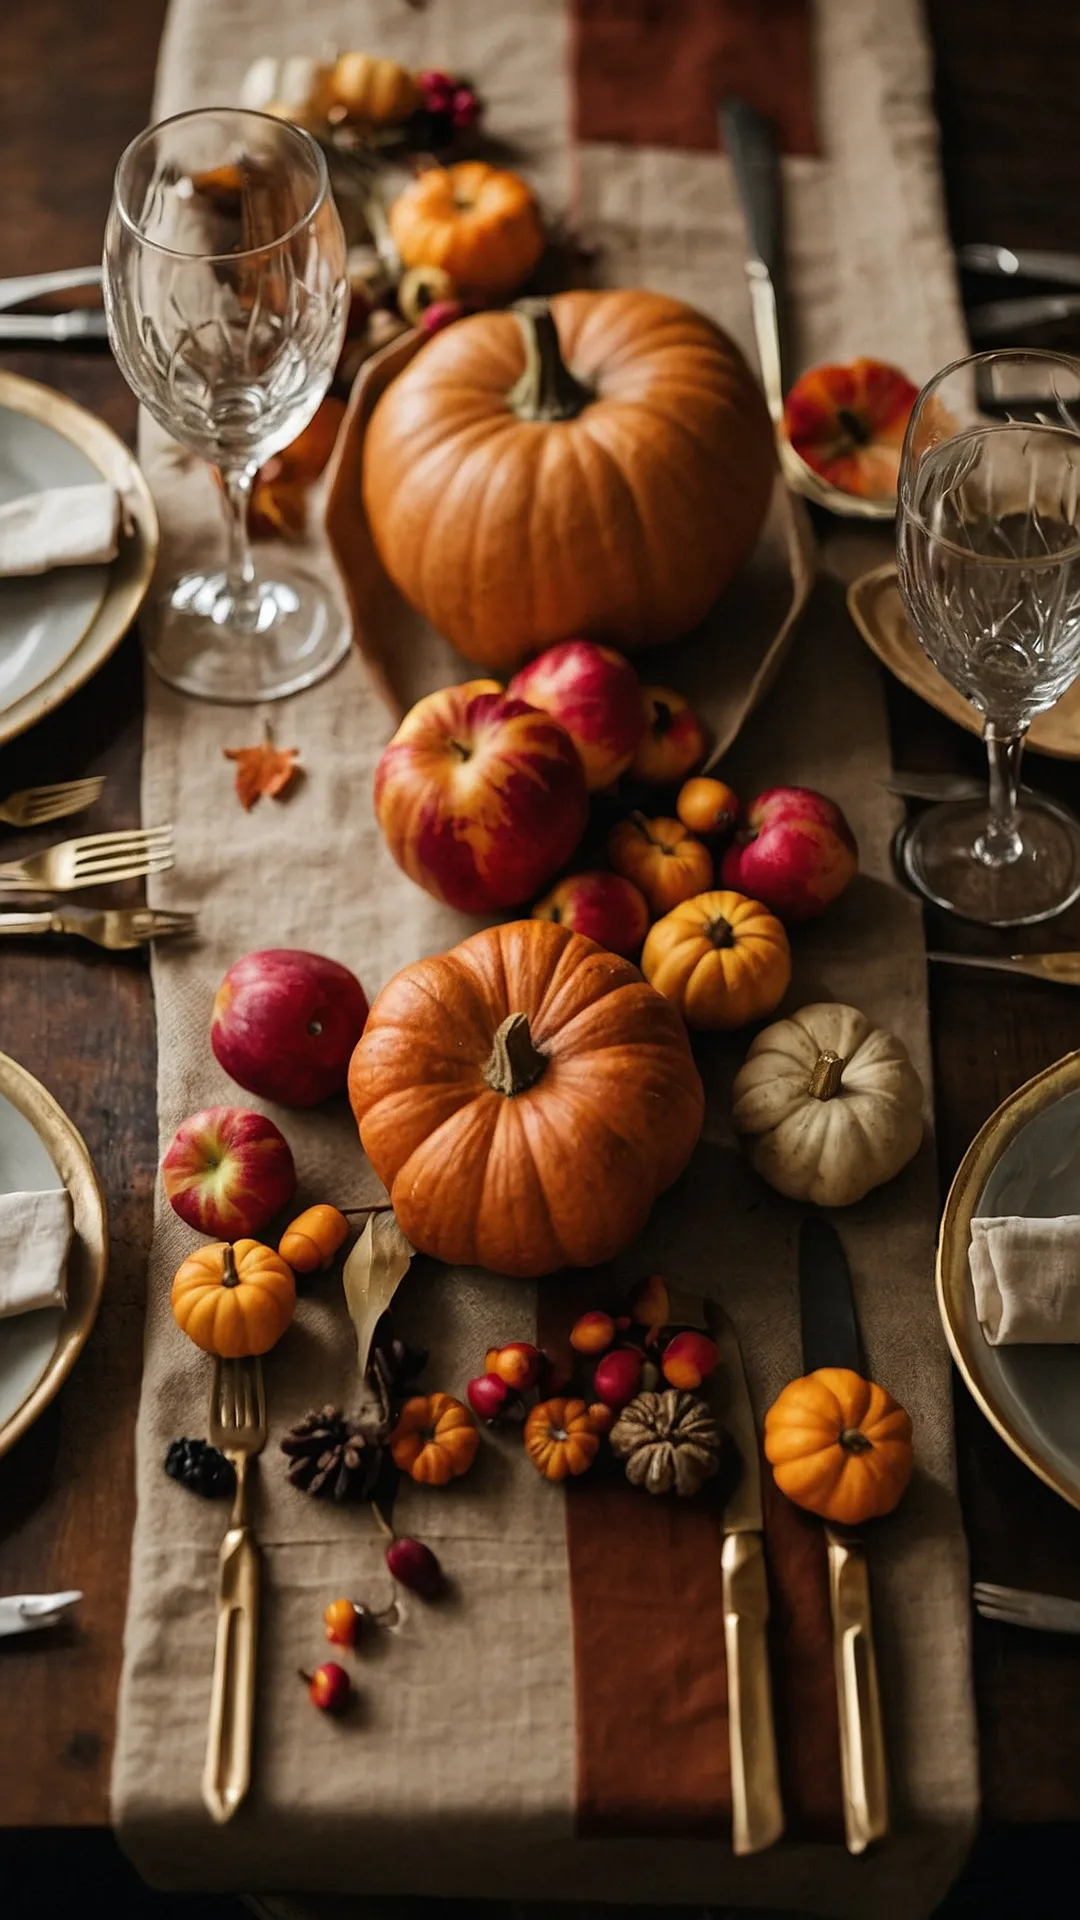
{"points": [[524, 1098], [369, 88], [707, 806], [234, 1300], [562, 1437], [599, 464], [435, 1439], [722, 959], [310, 1242], [662, 858], [839, 1445], [481, 224]]}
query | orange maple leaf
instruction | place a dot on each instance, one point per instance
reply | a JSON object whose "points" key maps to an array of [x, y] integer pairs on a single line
{"points": [[265, 769]]}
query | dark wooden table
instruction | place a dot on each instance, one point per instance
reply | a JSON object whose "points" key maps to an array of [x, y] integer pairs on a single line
{"points": [[74, 86]]}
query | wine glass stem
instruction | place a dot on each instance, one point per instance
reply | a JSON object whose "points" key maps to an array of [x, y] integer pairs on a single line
{"points": [[240, 582], [999, 843]]}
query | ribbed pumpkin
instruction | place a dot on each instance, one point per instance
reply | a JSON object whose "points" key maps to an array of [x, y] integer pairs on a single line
{"points": [[722, 959], [839, 1445], [369, 88], [599, 465], [524, 1098], [234, 1300], [482, 224], [662, 858]]}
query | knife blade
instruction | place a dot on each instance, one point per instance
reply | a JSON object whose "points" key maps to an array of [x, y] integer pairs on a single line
{"points": [[757, 1810], [755, 163], [32, 286], [1021, 263], [830, 1338], [82, 323]]}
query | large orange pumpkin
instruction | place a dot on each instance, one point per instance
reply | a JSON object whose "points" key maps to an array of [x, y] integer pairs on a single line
{"points": [[722, 959], [524, 1098], [481, 224], [599, 465]]}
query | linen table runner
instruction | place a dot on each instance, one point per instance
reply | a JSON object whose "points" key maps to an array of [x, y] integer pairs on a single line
{"points": [[459, 1777]]}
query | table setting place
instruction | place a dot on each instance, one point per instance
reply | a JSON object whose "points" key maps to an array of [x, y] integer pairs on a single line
{"points": [[544, 1458]]}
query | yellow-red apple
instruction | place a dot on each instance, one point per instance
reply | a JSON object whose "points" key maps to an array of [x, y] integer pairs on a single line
{"points": [[603, 906], [794, 852], [228, 1171], [595, 694]]}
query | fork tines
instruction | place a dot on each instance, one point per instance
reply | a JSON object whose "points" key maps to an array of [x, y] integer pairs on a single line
{"points": [[237, 1402], [36, 806], [1017, 1607], [154, 845]]}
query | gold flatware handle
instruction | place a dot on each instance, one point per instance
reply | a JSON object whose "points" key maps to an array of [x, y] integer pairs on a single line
{"points": [[757, 1812], [12, 923], [862, 1733], [1064, 968], [227, 1773]]}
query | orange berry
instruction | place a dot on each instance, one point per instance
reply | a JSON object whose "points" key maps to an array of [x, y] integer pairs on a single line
{"points": [[593, 1333], [689, 1359], [518, 1364], [342, 1622], [707, 806], [650, 1303], [602, 1417]]}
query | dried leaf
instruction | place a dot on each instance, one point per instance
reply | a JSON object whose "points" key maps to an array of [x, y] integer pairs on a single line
{"points": [[278, 504], [372, 1273], [265, 769]]}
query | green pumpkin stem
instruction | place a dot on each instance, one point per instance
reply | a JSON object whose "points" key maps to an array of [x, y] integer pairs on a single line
{"points": [[514, 1064], [547, 389]]}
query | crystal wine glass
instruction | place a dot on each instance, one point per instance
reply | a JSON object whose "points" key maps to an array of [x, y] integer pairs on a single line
{"points": [[225, 291], [988, 554]]}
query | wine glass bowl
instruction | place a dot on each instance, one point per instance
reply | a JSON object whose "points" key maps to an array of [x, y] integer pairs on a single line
{"points": [[225, 292], [988, 559]]}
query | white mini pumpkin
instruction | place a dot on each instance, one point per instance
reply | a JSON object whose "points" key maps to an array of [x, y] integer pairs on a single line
{"points": [[828, 1105]]}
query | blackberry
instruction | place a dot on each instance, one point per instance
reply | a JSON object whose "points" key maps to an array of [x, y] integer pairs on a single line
{"points": [[200, 1468]]}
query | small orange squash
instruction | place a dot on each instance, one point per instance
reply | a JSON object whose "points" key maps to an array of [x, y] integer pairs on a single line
{"points": [[722, 959], [707, 806], [379, 91], [481, 224], [310, 1242], [662, 858], [839, 1445], [562, 1437], [234, 1300], [435, 1439]]}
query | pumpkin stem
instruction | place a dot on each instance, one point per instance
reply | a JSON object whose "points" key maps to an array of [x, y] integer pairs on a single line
{"points": [[827, 1075], [229, 1275], [547, 389], [514, 1063], [853, 1441], [644, 826], [721, 932]]}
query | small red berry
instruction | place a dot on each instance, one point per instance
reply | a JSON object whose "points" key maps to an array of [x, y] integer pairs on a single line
{"points": [[689, 1359], [618, 1377], [593, 1333], [329, 1686], [414, 1566], [464, 109], [518, 1364], [440, 314], [487, 1395], [343, 1620], [434, 77]]}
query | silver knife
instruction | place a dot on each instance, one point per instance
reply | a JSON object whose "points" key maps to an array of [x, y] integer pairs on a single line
{"points": [[830, 1338], [1021, 263], [752, 151], [82, 323], [31, 286], [1036, 310], [24, 1612], [757, 1810]]}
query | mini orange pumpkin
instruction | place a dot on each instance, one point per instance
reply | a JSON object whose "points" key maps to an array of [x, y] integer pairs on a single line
{"points": [[234, 1300], [310, 1242], [722, 959], [562, 1437], [662, 858], [482, 224], [435, 1439], [839, 1445]]}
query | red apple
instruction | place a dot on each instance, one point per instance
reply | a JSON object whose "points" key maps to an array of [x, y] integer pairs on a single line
{"points": [[481, 798], [285, 1024], [794, 852], [603, 906], [673, 741], [228, 1171], [595, 694], [618, 1377]]}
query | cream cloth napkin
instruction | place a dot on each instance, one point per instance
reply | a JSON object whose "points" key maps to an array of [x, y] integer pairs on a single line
{"points": [[35, 1234], [1026, 1275], [62, 527]]}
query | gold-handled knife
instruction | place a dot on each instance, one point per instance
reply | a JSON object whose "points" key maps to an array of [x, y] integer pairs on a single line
{"points": [[830, 1338], [757, 1810]]}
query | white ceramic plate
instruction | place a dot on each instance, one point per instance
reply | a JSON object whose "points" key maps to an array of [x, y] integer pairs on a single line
{"points": [[1026, 1160], [40, 1149], [58, 628]]}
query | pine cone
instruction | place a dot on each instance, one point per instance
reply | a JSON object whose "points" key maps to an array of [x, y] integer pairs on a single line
{"points": [[668, 1440], [335, 1458], [200, 1468]]}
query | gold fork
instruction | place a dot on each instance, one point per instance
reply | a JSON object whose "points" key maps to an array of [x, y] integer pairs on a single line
{"points": [[237, 1425], [117, 928], [91, 862], [35, 806]]}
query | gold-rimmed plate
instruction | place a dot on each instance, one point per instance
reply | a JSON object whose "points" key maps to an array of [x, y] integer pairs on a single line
{"points": [[39, 1150], [1025, 1160], [875, 605], [58, 628]]}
